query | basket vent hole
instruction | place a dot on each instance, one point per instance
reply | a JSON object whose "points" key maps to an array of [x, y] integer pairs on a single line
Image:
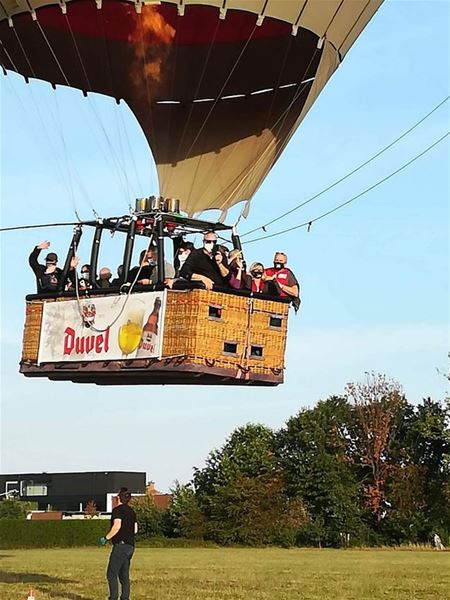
{"points": [[275, 322], [256, 351], [230, 348], [215, 312]]}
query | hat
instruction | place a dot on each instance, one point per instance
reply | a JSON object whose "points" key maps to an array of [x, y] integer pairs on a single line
{"points": [[51, 257]]}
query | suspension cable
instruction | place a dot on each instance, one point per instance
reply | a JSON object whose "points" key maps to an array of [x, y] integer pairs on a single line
{"points": [[127, 294], [216, 100], [279, 123]]}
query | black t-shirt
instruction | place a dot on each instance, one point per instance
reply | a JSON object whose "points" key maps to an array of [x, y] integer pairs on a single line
{"points": [[146, 273], [200, 263], [128, 518]]}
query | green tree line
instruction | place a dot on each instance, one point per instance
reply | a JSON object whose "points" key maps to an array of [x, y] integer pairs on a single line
{"points": [[366, 467], [363, 468]]}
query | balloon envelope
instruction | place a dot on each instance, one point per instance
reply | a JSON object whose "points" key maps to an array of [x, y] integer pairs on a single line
{"points": [[217, 87]]}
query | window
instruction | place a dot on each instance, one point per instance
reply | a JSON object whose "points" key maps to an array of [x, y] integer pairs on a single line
{"points": [[275, 322], [230, 348], [215, 313], [256, 351], [29, 488]]}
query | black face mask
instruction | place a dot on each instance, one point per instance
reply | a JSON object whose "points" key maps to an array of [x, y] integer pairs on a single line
{"points": [[278, 266], [257, 274]]}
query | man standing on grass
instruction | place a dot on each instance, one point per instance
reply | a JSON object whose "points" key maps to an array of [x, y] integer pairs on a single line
{"points": [[122, 532]]}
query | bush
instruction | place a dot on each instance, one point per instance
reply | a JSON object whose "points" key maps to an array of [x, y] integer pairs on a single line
{"points": [[183, 517], [148, 516], [51, 534], [11, 508]]}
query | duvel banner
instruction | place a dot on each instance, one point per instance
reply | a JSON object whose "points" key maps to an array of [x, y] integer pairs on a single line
{"points": [[103, 328]]}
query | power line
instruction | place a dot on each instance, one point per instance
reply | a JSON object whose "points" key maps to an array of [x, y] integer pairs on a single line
{"points": [[19, 227], [358, 168], [336, 208]]}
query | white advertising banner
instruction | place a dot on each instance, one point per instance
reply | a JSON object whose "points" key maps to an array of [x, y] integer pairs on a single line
{"points": [[103, 328]]}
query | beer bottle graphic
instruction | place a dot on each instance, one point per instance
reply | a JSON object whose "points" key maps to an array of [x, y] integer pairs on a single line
{"points": [[147, 345]]}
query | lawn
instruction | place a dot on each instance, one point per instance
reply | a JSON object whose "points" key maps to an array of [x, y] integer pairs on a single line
{"points": [[231, 574]]}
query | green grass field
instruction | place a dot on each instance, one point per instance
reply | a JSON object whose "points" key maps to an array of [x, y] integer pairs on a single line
{"points": [[229, 574]]}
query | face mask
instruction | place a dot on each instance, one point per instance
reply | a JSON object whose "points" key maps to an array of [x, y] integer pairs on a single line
{"points": [[278, 265], [152, 262], [208, 246], [182, 258], [257, 274], [84, 275]]}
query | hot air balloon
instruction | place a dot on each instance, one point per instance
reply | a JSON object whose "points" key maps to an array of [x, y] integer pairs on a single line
{"points": [[218, 88]]}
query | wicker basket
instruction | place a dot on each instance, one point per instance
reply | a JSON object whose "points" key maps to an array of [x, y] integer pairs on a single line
{"points": [[226, 331], [234, 334], [32, 331]]}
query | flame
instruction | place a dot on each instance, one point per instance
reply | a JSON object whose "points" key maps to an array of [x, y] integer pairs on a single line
{"points": [[151, 39], [153, 23]]}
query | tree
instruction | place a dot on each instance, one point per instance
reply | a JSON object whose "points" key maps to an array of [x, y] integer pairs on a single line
{"points": [[379, 407], [315, 453], [90, 510], [183, 517], [240, 491], [249, 451], [255, 511], [148, 516], [429, 440]]}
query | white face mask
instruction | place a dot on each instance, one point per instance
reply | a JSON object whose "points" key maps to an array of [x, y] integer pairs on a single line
{"points": [[182, 257], [208, 245], [84, 276]]}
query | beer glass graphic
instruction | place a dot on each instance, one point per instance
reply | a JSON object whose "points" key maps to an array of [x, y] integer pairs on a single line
{"points": [[131, 330]]}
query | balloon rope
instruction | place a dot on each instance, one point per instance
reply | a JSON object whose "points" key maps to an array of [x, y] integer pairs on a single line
{"points": [[127, 296], [147, 87], [36, 106], [197, 90], [245, 193], [100, 18], [279, 121], [71, 171], [216, 100]]}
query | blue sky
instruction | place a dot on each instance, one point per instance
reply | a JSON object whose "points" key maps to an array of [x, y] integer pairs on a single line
{"points": [[374, 275]]}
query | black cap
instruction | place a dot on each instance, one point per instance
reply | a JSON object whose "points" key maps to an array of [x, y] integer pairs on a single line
{"points": [[51, 257]]}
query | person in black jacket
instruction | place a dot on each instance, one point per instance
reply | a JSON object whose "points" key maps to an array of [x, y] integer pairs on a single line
{"points": [[206, 264], [122, 531], [118, 281], [48, 276]]}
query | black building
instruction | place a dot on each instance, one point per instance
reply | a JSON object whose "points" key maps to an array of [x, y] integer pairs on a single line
{"points": [[70, 491]]}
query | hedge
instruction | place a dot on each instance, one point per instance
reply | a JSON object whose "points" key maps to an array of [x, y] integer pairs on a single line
{"points": [[50, 534]]}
